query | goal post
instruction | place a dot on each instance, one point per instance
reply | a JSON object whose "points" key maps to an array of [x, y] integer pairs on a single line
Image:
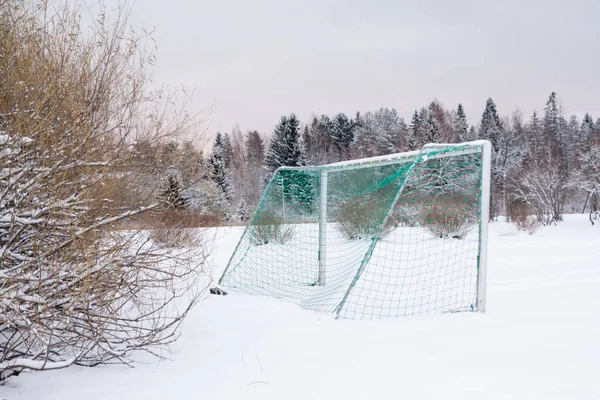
{"points": [[388, 236]]}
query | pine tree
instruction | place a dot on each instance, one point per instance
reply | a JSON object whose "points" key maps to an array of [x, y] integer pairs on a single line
{"points": [[321, 141], [170, 193], [586, 132], [554, 132], [227, 151], [414, 131], [490, 127], [442, 122], [573, 140], [433, 130], [460, 126], [284, 147], [255, 180], [378, 133], [343, 135], [255, 149], [217, 170], [241, 213], [535, 137], [306, 142]]}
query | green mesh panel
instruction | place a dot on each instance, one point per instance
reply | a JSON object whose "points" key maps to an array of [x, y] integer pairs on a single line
{"points": [[398, 236]]}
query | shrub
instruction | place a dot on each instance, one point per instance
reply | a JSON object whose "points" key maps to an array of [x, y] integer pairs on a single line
{"points": [[359, 218], [269, 227], [448, 217], [74, 291], [521, 215]]}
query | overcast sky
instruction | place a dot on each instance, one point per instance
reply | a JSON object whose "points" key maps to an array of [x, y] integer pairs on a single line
{"points": [[259, 59]]}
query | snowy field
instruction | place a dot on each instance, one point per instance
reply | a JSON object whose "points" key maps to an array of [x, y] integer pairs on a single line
{"points": [[540, 339]]}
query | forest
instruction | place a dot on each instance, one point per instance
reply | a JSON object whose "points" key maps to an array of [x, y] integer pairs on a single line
{"points": [[544, 165]]}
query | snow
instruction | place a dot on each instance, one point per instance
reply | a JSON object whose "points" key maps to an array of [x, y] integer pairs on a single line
{"points": [[539, 339], [440, 275]]}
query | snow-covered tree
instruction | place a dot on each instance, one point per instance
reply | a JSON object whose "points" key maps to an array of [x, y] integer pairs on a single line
{"points": [[490, 127], [206, 197], [433, 130], [284, 147], [227, 150], [440, 124], [170, 191], [343, 135], [241, 214], [542, 187], [319, 144], [255, 180], [586, 132], [255, 149], [380, 132], [415, 131], [460, 125], [534, 132], [554, 132], [217, 166], [587, 177]]}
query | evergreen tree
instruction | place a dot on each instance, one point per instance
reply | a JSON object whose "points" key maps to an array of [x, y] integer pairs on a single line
{"points": [[433, 129], [343, 135], [440, 125], [554, 132], [241, 213], [378, 133], [321, 137], [306, 142], [217, 170], [227, 151], [284, 147], [460, 126], [255, 179], [170, 192], [490, 127], [535, 137], [586, 132], [573, 140], [255, 149], [414, 131]]}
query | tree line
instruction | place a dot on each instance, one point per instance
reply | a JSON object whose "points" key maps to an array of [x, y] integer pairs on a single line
{"points": [[546, 163]]}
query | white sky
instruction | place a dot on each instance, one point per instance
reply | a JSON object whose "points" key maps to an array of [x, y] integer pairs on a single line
{"points": [[260, 59]]}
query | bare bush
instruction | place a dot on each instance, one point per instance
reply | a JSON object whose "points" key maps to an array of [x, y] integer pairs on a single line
{"points": [[522, 217], [268, 228], [587, 178], [406, 214], [543, 188], [359, 218], [73, 290], [448, 217]]}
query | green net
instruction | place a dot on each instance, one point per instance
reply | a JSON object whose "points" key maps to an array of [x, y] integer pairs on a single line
{"points": [[376, 238]]}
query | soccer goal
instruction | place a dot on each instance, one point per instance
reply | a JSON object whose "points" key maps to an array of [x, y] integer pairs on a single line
{"points": [[395, 235]]}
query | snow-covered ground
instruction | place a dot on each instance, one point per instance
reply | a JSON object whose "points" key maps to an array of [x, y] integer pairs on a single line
{"points": [[540, 339]]}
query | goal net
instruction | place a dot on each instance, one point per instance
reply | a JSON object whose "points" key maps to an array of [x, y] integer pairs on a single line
{"points": [[396, 235]]}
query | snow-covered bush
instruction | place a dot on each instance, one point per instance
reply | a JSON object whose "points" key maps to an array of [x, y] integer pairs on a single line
{"points": [[587, 178], [73, 290], [543, 188], [206, 197], [241, 214]]}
